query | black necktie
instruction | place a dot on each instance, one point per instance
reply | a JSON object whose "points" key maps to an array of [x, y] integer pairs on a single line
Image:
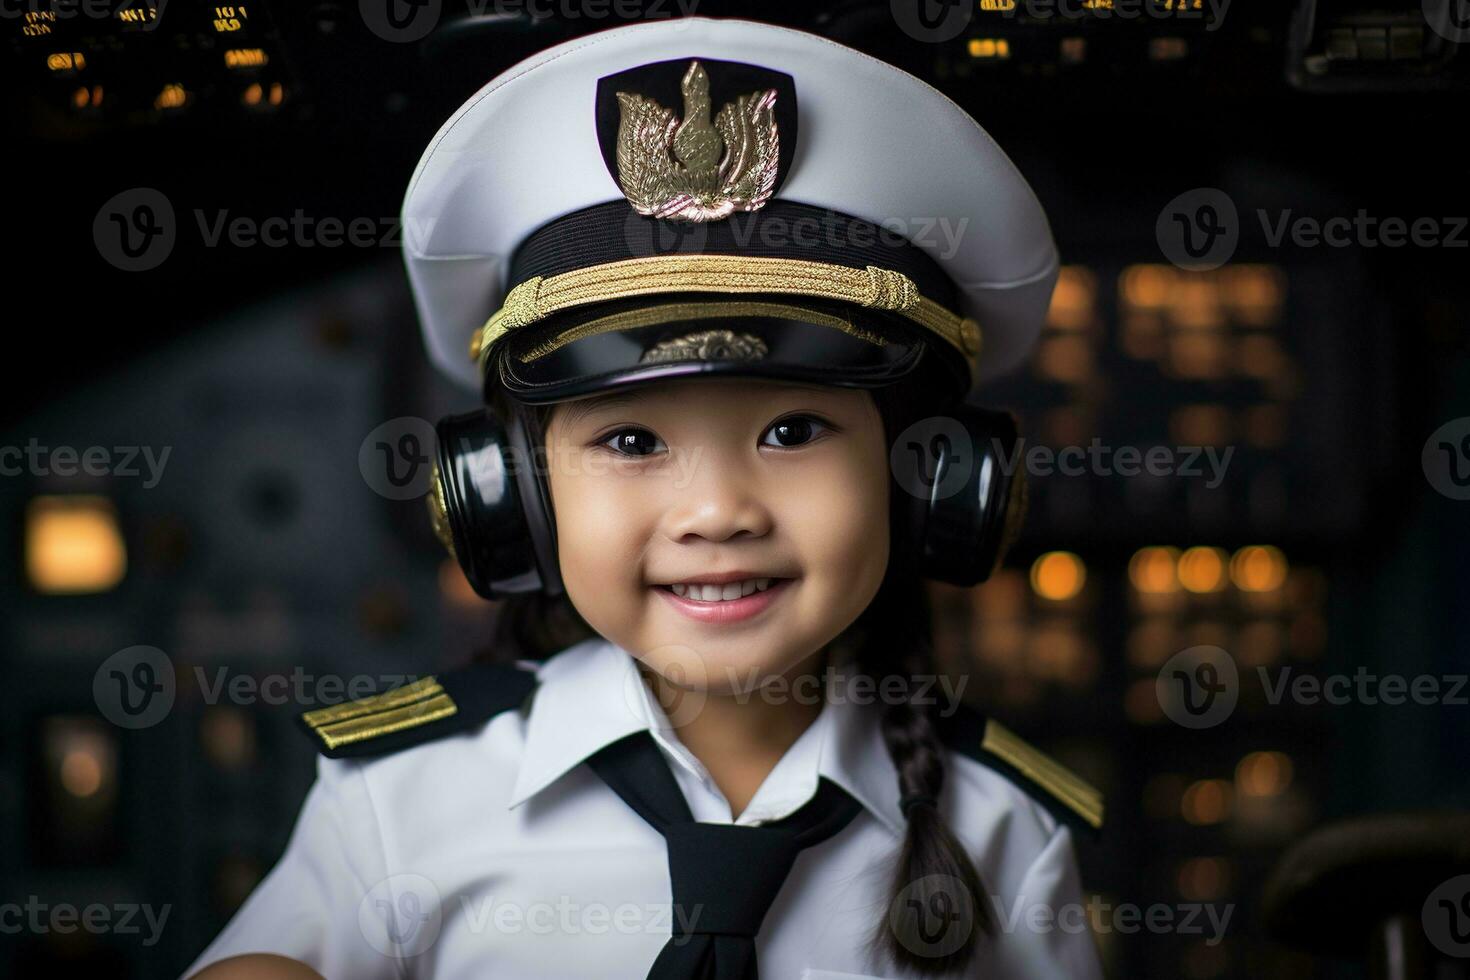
{"points": [[724, 876]]}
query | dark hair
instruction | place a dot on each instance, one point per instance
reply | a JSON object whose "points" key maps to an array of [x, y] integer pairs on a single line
{"points": [[891, 637]]}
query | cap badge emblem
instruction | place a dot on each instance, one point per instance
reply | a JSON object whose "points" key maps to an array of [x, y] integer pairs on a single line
{"points": [[692, 169], [707, 345]]}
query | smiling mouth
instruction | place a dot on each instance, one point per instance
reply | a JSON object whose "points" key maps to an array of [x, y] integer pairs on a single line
{"points": [[722, 592]]}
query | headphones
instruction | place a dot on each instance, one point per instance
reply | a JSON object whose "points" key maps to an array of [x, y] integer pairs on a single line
{"points": [[490, 507]]}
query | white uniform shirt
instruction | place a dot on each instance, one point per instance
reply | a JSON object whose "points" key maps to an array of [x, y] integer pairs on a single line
{"points": [[494, 853]]}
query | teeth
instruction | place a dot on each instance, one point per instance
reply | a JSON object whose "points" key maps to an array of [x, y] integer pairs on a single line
{"points": [[720, 593]]}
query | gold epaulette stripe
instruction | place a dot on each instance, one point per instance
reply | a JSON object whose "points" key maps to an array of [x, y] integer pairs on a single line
{"points": [[397, 710], [872, 287], [374, 703], [1055, 779]]}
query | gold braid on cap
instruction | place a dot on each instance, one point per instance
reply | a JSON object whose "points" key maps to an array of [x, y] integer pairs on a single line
{"points": [[871, 287]]}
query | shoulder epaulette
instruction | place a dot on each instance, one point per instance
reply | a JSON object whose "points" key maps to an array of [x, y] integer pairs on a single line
{"points": [[990, 743], [418, 712]]}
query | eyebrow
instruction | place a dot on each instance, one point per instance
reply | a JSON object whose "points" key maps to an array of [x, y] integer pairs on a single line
{"points": [[576, 409], [819, 389]]}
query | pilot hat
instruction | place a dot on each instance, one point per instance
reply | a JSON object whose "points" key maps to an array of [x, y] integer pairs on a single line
{"points": [[702, 196]]}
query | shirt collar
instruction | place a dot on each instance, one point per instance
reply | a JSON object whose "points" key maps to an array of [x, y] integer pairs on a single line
{"points": [[591, 694], [585, 698]]}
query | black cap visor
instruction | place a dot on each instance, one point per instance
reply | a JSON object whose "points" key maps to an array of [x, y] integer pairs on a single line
{"points": [[592, 349]]}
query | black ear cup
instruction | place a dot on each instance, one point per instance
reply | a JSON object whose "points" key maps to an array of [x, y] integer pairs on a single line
{"points": [[977, 499], [536, 499], [488, 505]]}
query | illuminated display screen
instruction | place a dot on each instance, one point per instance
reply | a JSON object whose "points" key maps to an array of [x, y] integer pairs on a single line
{"points": [[230, 18], [118, 62]]}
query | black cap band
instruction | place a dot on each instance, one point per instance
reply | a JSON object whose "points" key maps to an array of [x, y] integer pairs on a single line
{"points": [[613, 232]]}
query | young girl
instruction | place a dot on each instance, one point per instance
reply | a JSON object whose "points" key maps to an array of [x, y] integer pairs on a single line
{"points": [[715, 470]]}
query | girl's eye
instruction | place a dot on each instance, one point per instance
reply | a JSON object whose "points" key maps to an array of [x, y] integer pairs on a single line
{"points": [[633, 442], [793, 431]]}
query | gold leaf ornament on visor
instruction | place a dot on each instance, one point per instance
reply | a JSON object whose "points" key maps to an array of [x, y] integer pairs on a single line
{"points": [[706, 344], [691, 169]]}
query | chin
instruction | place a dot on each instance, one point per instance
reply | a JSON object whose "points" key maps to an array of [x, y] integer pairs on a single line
{"points": [[721, 665]]}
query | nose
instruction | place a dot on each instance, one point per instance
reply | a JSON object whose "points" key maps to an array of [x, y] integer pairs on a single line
{"points": [[724, 499]]}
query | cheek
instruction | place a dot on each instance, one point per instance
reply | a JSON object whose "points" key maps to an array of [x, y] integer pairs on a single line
{"points": [[838, 516], [601, 528]]}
